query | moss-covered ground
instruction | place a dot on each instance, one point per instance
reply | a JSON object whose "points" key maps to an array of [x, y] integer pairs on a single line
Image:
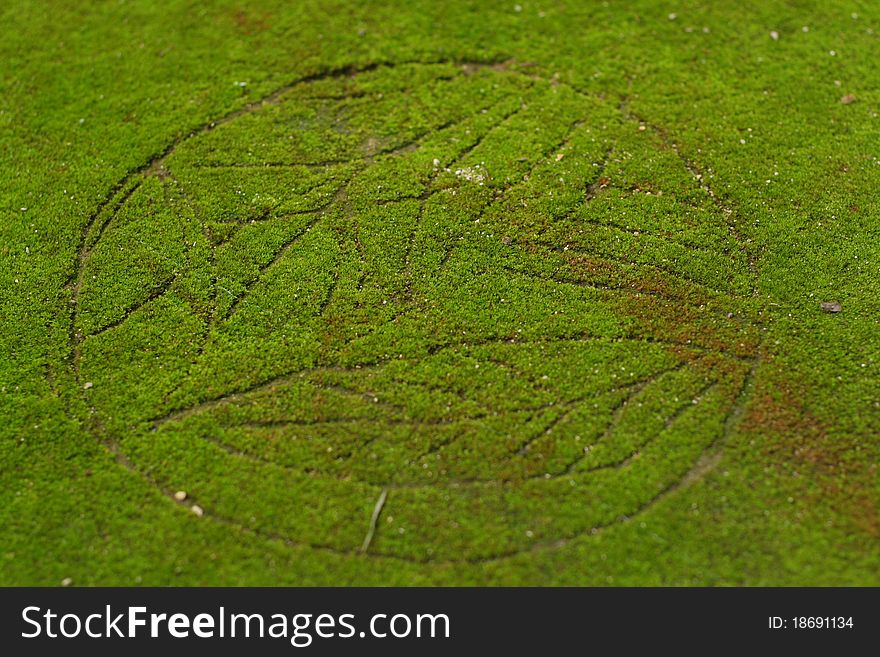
{"points": [[440, 293]]}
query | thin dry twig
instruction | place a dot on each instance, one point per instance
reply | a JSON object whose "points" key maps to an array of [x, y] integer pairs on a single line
{"points": [[377, 510]]}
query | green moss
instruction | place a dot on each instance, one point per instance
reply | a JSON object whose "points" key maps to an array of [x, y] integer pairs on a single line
{"points": [[549, 277]]}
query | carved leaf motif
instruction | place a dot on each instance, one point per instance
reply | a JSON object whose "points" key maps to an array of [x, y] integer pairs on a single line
{"points": [[493, 296]]}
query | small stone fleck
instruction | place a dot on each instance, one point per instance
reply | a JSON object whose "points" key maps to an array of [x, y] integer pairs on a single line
{"points": [[831, 306], [774, 35], [849, 98], [87, 385], [67, 581], [473, 174], [199, 511], [180, 495]]}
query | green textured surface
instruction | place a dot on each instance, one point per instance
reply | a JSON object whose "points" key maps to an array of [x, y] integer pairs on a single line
{"points": [[538, 284]]}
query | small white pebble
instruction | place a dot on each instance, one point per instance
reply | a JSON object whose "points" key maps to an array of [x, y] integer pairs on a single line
{"points": [[672, 17], [66, 581], [774, 35], [87, 385], [180, 495], [199, 511]]}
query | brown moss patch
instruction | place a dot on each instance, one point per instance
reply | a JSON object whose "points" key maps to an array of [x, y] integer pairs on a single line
{"points": [[793, 437], [250, 22]]}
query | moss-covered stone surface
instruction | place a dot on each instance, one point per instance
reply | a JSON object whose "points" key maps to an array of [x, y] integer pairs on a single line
{"points": [[440, 293]]}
